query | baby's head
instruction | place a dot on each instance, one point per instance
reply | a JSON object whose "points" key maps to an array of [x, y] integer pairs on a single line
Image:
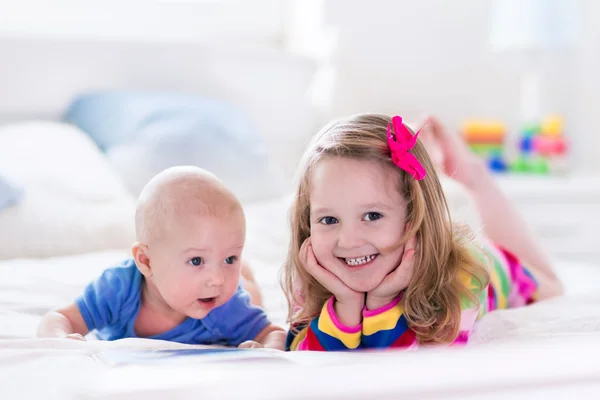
{"points": [[359, 209], [190, 235]]}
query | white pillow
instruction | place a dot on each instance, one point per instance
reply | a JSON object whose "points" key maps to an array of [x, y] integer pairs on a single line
{"points": [[73, 202]]}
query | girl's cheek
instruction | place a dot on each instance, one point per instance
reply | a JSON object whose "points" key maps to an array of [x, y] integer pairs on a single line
{"points": [[390, 243], [319, 246]]}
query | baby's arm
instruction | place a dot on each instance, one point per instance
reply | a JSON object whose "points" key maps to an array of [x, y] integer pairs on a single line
{"points": [[97, 307], [63, 323], [245, 325], [272, 337]]}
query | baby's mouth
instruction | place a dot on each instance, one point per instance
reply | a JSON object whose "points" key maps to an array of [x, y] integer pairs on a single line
{"points": [[208, 302], [353, 262]]}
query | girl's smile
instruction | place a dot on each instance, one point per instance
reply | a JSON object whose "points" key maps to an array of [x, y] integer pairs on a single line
{"points": [[359, 261]]}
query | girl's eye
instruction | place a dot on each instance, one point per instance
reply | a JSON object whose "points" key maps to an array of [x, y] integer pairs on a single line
{"points": [[196, 261], [372, 216], [231, 260], [328, 221]]}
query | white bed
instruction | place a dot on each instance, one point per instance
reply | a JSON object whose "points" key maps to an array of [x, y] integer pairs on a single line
{"points": [[549, 348], [566, 329]]}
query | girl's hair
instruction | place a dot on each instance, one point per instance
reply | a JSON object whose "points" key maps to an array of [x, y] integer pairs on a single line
{"points": [[444, 265]]}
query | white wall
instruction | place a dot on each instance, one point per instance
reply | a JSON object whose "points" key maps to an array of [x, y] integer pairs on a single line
{"points": [[254, 23], [586, 92], [394, 56], [224, 49], [400, 56]]}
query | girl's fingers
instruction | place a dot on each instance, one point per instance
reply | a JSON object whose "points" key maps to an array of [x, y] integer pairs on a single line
{"points": [[411, 243], [403, 274], [399, 278], [313, 267], [303, 250], [325, 278]]}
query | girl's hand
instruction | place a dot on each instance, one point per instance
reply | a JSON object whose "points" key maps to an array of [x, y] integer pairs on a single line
{"points": [[396, 281], [348, 303]]}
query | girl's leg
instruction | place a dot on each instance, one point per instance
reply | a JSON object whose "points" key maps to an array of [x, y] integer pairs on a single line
{"points": [[502, 222]]}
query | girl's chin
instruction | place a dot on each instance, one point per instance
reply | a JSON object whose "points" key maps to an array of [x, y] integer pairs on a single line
{"points": [[362, 287]]}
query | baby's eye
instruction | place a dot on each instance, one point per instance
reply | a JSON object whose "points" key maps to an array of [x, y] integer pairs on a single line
{"points": [[328, 221], [196, 261], [231, 260], [372, 216]]}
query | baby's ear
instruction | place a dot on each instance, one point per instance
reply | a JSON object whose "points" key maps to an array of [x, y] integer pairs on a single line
{"points": [[142, 261]]}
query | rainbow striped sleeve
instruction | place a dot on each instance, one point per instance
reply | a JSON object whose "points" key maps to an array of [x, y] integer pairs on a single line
{"points": [[471, 310], [326, 333], [467, 322], [387, 327]]}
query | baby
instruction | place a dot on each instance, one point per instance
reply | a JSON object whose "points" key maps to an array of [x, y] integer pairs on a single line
{"points": [[183, 282]]}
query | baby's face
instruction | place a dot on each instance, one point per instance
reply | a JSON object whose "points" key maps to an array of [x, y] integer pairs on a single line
{"points": [[196, 267]]}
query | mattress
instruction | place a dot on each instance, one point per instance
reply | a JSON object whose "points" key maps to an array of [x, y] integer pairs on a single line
{"points": [[561, 329]]}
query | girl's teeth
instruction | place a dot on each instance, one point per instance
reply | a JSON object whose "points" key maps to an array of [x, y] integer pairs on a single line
{"points": [[359, 261]]}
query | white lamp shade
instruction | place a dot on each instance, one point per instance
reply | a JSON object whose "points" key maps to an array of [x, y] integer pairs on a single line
{"points": [[533, 24]]}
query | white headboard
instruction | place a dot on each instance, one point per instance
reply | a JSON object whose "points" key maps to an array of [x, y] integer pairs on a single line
{"points": [[40, 76]]}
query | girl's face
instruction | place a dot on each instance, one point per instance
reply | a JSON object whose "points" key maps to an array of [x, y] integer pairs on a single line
{"points": [[357, 218]]}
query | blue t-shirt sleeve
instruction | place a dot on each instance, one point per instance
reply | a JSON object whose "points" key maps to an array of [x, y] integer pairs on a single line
{"points": [[239, 320], [101, 301]]}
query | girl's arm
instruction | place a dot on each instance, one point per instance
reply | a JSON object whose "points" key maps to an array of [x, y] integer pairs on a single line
{"points": [[325, 333], [473, 308], [386, 327], [384, 324]]}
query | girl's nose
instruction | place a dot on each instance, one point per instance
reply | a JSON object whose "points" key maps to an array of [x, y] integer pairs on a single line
{"points": [[349, 237]]}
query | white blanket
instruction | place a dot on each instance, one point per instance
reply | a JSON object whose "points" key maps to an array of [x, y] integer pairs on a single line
{"points": [[56, 369]]}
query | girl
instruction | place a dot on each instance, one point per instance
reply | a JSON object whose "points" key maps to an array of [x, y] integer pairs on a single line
{"points": [[374, 259]]}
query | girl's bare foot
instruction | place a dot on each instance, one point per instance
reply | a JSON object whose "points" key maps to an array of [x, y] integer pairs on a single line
{"points": [[451, 154]]}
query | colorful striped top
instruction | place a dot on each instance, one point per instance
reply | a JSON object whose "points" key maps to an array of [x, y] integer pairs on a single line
{"points": [[511, 285]]}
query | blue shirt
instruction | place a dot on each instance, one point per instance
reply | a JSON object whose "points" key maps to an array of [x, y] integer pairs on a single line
{"points": [[111, 303]]}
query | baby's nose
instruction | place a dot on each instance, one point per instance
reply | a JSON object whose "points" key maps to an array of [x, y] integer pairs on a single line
{"points": [[215, 277]]}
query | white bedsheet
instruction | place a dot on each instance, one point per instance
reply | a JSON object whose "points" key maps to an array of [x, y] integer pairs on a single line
{"points": [[57, 369]]}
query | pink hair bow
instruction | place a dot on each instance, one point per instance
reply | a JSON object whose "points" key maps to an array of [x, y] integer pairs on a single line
{"points": [[400, 142]]}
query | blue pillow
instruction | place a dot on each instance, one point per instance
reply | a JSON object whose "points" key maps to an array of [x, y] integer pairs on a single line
{"points": [[153, 131], [9, 194], [112, 118]]}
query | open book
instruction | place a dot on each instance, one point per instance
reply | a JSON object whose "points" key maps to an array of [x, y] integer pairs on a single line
{"points": [[192, 356]]}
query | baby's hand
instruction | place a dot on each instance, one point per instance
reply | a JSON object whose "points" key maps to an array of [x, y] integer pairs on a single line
{"points": [[75, 336], [396, 281], [251, 344]]}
